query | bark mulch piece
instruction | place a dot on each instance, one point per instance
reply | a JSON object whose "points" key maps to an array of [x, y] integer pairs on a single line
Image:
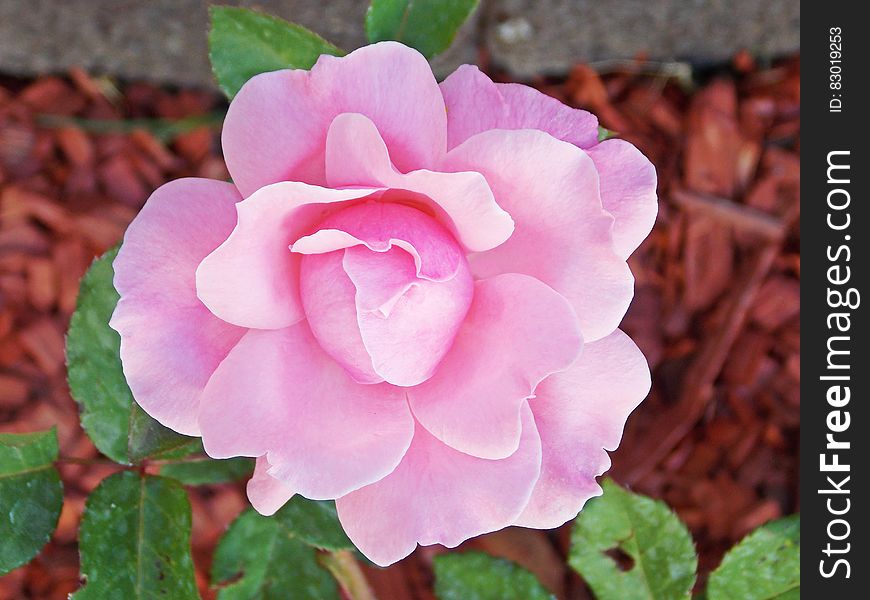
{"points": [[716, 309]]}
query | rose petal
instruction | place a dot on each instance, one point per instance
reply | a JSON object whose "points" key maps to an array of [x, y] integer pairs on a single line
{"points": [[408, 334], [266, 493], [276, 126], [323, 241], [380, 278], [628, 192], [330, 240], [439, 496], [252, 279], [329, 298], [357, 156], [517, 332], [380, 225], [562, 235], [628, 180], [279, 394], [412, 287], [372, 314], [475, 104], [580, 413], [170, 342]]}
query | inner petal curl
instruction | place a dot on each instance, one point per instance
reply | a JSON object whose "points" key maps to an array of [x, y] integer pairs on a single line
{"points": [[385, 288]]}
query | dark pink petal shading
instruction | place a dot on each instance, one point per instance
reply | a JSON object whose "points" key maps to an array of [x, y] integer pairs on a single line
{"points": [[379, 225]]}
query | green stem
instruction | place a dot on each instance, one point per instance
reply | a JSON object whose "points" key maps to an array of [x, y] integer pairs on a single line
{"points": [[347, 572]]}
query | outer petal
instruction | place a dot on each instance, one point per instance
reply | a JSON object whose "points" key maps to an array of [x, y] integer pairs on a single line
{"points": [[357, 156], [628, 192], [580, 413], [266, 493], [562, 235], [279, 394], [475, 104], [517, 332], [252, 278], [439, 496], [170, 342], [275, 129], [628, 180]]}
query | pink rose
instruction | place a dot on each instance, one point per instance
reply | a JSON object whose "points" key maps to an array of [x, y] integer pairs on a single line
{"points": [[407, 300]]}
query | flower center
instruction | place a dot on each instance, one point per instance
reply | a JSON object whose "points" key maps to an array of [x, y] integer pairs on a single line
{"points": [[385, 288]]}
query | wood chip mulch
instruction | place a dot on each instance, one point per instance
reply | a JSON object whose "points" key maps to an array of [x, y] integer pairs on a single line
{"points": [[716, 309]]}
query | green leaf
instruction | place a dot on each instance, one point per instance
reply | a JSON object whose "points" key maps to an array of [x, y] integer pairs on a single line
{"points": [[605, 134], [764, 566], [134, 540], [427, 25], [118, 427], [149, 439], [204, 470], [628, 547], [258, 557], [243, 43], [31, 495], [315, 522], [477, 576]]}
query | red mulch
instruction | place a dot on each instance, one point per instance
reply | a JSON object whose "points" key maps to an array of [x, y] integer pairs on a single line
{"points": [[716, 309]]}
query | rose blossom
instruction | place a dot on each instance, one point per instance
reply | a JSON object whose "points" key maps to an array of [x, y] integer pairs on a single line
{"points": [[407, 300]]}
